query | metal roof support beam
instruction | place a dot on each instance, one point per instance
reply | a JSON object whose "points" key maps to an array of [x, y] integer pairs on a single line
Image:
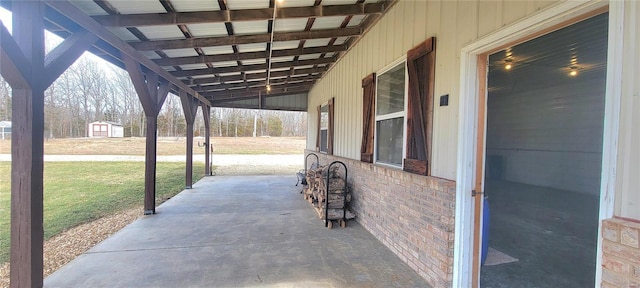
{"points": [[152, 97], [245, 39], [26, 47], [248, 55], [182, 18]]}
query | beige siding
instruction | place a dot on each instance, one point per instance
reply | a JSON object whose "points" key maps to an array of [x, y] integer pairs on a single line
{"points": [[628, 177], [454, 24]]}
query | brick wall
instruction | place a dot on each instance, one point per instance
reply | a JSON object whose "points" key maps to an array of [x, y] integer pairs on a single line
{"points": [[621, 253], [412, 215]]}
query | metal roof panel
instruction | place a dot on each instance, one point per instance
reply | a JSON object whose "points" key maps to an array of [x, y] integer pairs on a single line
{"points": [[331, 22], [163, 32], [217, 50], [187, 52], [89, 7], [195, 5], [285, 45], [252, 47], [137, 7], [123, 33], [247, 4], [317, 42], [295, 3], [207, 29], [290, 24], [250, 27]]}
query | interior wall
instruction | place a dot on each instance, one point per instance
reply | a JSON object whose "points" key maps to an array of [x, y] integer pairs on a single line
{"points": [[548, 136], [406, 24]]}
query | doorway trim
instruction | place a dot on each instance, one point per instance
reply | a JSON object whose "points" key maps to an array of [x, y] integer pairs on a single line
{"points": [[560, 14]]}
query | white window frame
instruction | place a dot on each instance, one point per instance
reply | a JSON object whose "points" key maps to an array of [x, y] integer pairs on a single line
{"points": [[402, 113], [325, 104]]}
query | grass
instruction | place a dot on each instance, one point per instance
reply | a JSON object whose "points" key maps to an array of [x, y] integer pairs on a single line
{"points": [[168, 146], [78, 192]]}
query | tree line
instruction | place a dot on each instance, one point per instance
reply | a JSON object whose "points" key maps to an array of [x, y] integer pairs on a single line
{"points": [[94, 90]]}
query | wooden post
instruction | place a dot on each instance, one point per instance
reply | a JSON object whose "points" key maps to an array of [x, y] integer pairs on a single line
{"points": [[189, 107], [27, 147], [206, 111], [152, 97], [24, 65]]}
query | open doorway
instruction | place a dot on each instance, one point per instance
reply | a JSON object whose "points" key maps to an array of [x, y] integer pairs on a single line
{"points": [[545, 115]]}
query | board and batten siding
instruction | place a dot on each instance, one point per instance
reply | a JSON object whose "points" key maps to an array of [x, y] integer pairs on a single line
{"points": [[408, 23], [628, 163]]}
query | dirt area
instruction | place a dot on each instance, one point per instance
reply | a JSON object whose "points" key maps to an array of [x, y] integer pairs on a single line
{"points": [[168, 146], [68, 245]]}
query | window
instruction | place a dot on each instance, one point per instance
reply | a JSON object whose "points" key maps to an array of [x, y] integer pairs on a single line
{"points": [[324, 127], [390, 115], [403, 116], [324, 140]]}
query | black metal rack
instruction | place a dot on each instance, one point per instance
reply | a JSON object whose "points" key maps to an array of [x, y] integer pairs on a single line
{"points": [[327, 221]]}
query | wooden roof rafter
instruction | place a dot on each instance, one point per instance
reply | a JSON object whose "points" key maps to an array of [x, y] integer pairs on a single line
{"points": [[228, 16]]}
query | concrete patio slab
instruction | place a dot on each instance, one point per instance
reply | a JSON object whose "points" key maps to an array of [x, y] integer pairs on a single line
{"points": [[237, 231]]}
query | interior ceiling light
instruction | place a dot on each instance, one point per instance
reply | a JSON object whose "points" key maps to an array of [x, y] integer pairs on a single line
{"points": [[507, 64], [574, 71], [273, 26]]}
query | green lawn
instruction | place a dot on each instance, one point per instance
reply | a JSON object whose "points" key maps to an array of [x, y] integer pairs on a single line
{"points": [[77, 192]]}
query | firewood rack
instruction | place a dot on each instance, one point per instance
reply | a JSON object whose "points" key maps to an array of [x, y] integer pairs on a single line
{"points": [[327, 221]]}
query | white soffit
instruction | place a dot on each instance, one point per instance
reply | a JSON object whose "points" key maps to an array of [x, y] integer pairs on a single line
{"points": [[195, 5], [317, 42], [247, 4], [123, 33], [186, 52], [285, 45], [225, 64], [338, 2], [309, 56], [332, 22], [89, 7], [207, 29], [150, 54], [282, 59], [193, 66], [137, 7], [217, 50], [254, 61], [250, 27], [290, 24], [340, 40], [356, 20], [163, 32], [295, 3], [256, 47]]}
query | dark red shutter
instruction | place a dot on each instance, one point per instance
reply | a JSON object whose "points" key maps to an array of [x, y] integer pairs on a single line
{"points": [[421, 68], [330, 128], [318, 135], [368, 117]]}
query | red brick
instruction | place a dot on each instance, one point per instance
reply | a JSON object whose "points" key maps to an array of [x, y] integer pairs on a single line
{"points": [[629, 236], [611, 230], [614, 279], [621, 252], [615, 265]]}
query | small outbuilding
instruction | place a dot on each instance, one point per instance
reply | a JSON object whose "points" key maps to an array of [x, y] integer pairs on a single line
{"points": [[5, 130], [105, 129]]}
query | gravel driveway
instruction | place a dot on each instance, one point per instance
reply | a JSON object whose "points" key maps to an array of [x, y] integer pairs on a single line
{"points": [[226, 164]]}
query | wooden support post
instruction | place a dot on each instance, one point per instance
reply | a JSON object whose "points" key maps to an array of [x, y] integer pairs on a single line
{"points": [[206, 111], [24, 66], [27, 144], [189, 107], [152, 97]]}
